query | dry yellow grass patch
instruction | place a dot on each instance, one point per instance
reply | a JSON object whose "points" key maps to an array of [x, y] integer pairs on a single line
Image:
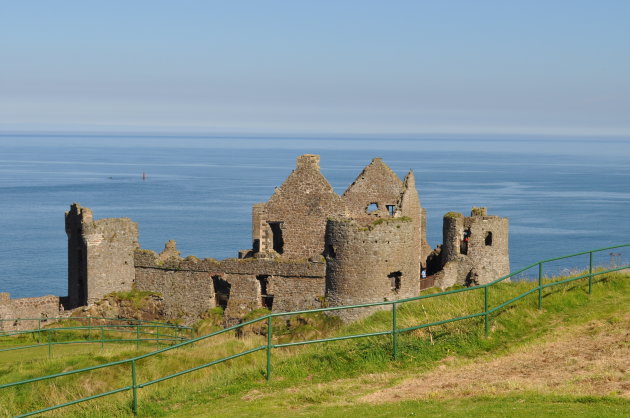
{"points": [[592, 359]]}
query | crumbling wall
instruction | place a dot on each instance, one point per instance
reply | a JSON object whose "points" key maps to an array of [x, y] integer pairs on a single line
{"points": [[31, 308], [292, 284], [100, 255], [370, 263], [293, 221], [377, 185], [474, 249], [409, 204]]}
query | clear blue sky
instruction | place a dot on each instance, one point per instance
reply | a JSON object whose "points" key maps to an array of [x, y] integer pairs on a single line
{"points": [[316, 66]]}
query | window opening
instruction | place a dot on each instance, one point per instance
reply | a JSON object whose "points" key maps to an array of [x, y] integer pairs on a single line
{"points": [[372, 207], [488, 238], [221, 291], [463, 248], [391, 209], [276, 235], [395, 280], [266, 300]]}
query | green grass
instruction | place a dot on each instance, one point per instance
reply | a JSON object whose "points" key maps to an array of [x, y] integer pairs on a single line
{"points": [[327, 379], [138, 298]]}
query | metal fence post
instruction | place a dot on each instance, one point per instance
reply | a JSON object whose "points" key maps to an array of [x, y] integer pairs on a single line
{"points": [[394, 332], [486, 290], [269, 346], [157, 335], [134, 387], [590, 272], [540, 289], [89, 327], [102, 338], [49, 345], [138, 335]]}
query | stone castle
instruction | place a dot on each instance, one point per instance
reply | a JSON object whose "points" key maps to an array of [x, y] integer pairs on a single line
{"points": [[310, 248]]}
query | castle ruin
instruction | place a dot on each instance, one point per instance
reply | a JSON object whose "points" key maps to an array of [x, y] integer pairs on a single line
{"points": [[311, 247]]}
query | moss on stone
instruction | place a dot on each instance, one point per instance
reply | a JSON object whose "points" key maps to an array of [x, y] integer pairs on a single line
{"points": [[136, 297], [453, 215], [391, 220]]}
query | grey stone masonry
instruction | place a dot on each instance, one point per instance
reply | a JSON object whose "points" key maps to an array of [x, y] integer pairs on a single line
{"points": [[189, 285], [32, 308], [370, 263], [100, 255], [474, 249], [292, 222]]}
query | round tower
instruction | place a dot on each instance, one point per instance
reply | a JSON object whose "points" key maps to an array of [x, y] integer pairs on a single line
{"points": [[370, 263]]}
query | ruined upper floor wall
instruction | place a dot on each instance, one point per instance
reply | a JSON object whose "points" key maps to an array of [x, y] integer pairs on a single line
{"points": [[293, 221], [377, 184]]}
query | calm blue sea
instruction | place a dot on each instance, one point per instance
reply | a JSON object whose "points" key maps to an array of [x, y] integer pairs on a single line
{"points": [[562, 195]]}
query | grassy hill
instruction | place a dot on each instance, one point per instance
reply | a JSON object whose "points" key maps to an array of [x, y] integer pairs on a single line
{"points": [[571, 358]]}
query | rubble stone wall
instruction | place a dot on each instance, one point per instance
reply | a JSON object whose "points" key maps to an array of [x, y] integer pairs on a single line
{"points": [[37, 307], [373, 263]]}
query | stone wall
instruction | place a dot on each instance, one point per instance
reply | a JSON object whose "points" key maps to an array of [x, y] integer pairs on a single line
{"points": [[38, 307], [370, 263], [293, 221], [474, 249], [190, 283], [100, 255], [377, 185], [186, 294]]}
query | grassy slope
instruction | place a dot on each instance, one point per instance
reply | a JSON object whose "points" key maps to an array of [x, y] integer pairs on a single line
{"points": [[332, 379]]}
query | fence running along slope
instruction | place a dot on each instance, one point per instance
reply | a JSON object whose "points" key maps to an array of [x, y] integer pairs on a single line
{"points": [[134, 385], [141, 332]]}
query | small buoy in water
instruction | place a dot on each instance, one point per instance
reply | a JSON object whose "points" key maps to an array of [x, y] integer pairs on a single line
{"points": [[144, 175]]}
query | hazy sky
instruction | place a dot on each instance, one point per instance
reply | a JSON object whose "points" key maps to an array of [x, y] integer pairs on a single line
{"points": [[338, 66]]}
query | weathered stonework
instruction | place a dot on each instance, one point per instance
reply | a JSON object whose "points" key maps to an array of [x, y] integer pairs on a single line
{"points": [[293, 221], [100, 255], [188, 285], [475, 249], [38, 307], [371, 262]]}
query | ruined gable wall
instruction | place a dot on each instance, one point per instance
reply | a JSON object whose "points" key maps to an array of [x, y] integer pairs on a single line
{"points": [[303, 203], [37, 307], [361, 260], [378, 184]]}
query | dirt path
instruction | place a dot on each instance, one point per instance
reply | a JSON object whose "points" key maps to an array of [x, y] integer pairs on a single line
{"points": [[593, 359]]}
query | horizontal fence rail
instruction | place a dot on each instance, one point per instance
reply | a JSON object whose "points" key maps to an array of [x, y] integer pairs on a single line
{"points": [[141, 332], [269, 346]]}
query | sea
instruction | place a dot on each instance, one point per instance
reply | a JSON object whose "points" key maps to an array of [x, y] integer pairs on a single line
{"points": [[561, 194]]}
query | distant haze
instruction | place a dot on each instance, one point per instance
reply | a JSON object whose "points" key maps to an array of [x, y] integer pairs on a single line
{"points": [[524, 67]]}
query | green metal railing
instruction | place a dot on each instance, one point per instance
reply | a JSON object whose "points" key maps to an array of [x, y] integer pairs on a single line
{"points": [[269, 345], [143, 331]]}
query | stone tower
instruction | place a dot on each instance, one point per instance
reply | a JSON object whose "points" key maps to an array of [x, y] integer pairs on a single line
{"points": [[370, 263], [474, 249], [100, 255]]}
